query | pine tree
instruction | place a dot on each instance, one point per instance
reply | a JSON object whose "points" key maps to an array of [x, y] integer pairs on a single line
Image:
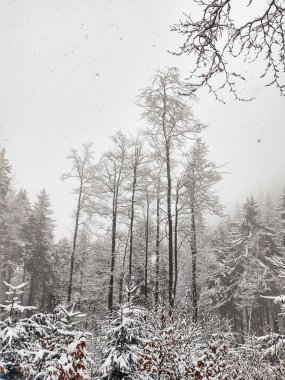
{"points": [[12, 335], [250, 214], [41, 242], [5, 183], [5, 177], [124, 346], [282, 217]]}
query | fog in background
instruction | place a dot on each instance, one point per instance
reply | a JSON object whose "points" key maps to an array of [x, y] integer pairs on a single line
{"points": [[70, 72]]}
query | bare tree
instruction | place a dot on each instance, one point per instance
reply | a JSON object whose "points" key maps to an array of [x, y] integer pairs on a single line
{"points": [[215, 39], [82, 172], [111, 176], [171, 124], [200, 177], [136, 160], [157, 241]]}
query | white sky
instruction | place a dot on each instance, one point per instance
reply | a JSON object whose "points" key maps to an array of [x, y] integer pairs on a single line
{"points": [[70, 71]]}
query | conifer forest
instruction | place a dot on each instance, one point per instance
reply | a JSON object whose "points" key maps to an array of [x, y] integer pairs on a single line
{"points": [[118, 257]]}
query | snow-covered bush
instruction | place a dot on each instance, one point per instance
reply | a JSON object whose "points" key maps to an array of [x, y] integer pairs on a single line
{"points": [[42, 347], [215, 363], [170, 346], [256, 359]]}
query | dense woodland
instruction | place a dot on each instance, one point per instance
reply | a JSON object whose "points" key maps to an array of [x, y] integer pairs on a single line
{"points": [[155, 290]]}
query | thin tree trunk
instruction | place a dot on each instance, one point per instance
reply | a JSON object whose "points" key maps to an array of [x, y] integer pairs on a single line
{"points": [[44, 295], [23, 280], [113, 251], [157, 244], [194, 264], [32, 291], [131, 226], [170, 234], [146, 251], [267, 314], [275, 321], [69, 292], [169, 211], [175, 245], [122, 274]]}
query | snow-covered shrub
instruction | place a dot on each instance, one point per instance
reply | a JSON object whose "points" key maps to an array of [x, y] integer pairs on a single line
{"points": [[169, 347], [215, 363], [124, 345], [261, 358], [15, 344], [42, 347]]}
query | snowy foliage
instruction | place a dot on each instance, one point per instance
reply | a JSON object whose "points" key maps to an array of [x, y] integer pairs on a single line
{"points": [[124, 345], [44, 346]]}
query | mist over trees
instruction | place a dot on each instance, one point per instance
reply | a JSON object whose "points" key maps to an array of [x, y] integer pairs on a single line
{"points": [[142, 253], [145, 286]]}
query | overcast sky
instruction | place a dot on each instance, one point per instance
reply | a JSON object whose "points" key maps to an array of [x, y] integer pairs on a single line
{"points": [[70, 71]]}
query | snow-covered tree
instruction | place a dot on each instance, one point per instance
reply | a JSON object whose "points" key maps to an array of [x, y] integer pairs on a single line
{"points": [[83, 170], [282, 217], [13, 337], [171, 124], [200, 177], [41, 242], [124, 345]]}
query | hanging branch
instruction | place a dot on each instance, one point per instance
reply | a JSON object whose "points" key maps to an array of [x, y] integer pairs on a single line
{"points": [[215, 38]]}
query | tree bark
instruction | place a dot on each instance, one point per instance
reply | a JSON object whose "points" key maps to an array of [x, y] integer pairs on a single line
{"points": [[113, 251], [157, 246], [176, 245], [146, 251], [169, 210], [122, 274], [69, 292], [131, 225], [194, 264], [170, 233]]}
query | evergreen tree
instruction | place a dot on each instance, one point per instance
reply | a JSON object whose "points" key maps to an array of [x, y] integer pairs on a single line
{"points": [[5, 182], [250, 214], [5, 177], [282, 217], [41, 242], [124, 346]]}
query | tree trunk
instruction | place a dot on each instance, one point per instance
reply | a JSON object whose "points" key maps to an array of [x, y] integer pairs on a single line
{"points": [[23, 280], [194, 263], [122, 274], [275, 320], [131, 227], [169, 211], [146, 251], [113, 251], [157, 243], [175, 245], [44, 295], [69, 292], [170, 234], [32, 291]]}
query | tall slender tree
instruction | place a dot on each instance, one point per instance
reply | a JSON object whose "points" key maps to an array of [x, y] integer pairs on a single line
{"points": [[82, 172], [200, 177], [136, 160], [41, 241], [109, 189], [171, 123]]}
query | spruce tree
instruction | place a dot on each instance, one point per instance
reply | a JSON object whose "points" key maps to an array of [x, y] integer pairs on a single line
{"points": [[39, 264], [124, 346]]}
